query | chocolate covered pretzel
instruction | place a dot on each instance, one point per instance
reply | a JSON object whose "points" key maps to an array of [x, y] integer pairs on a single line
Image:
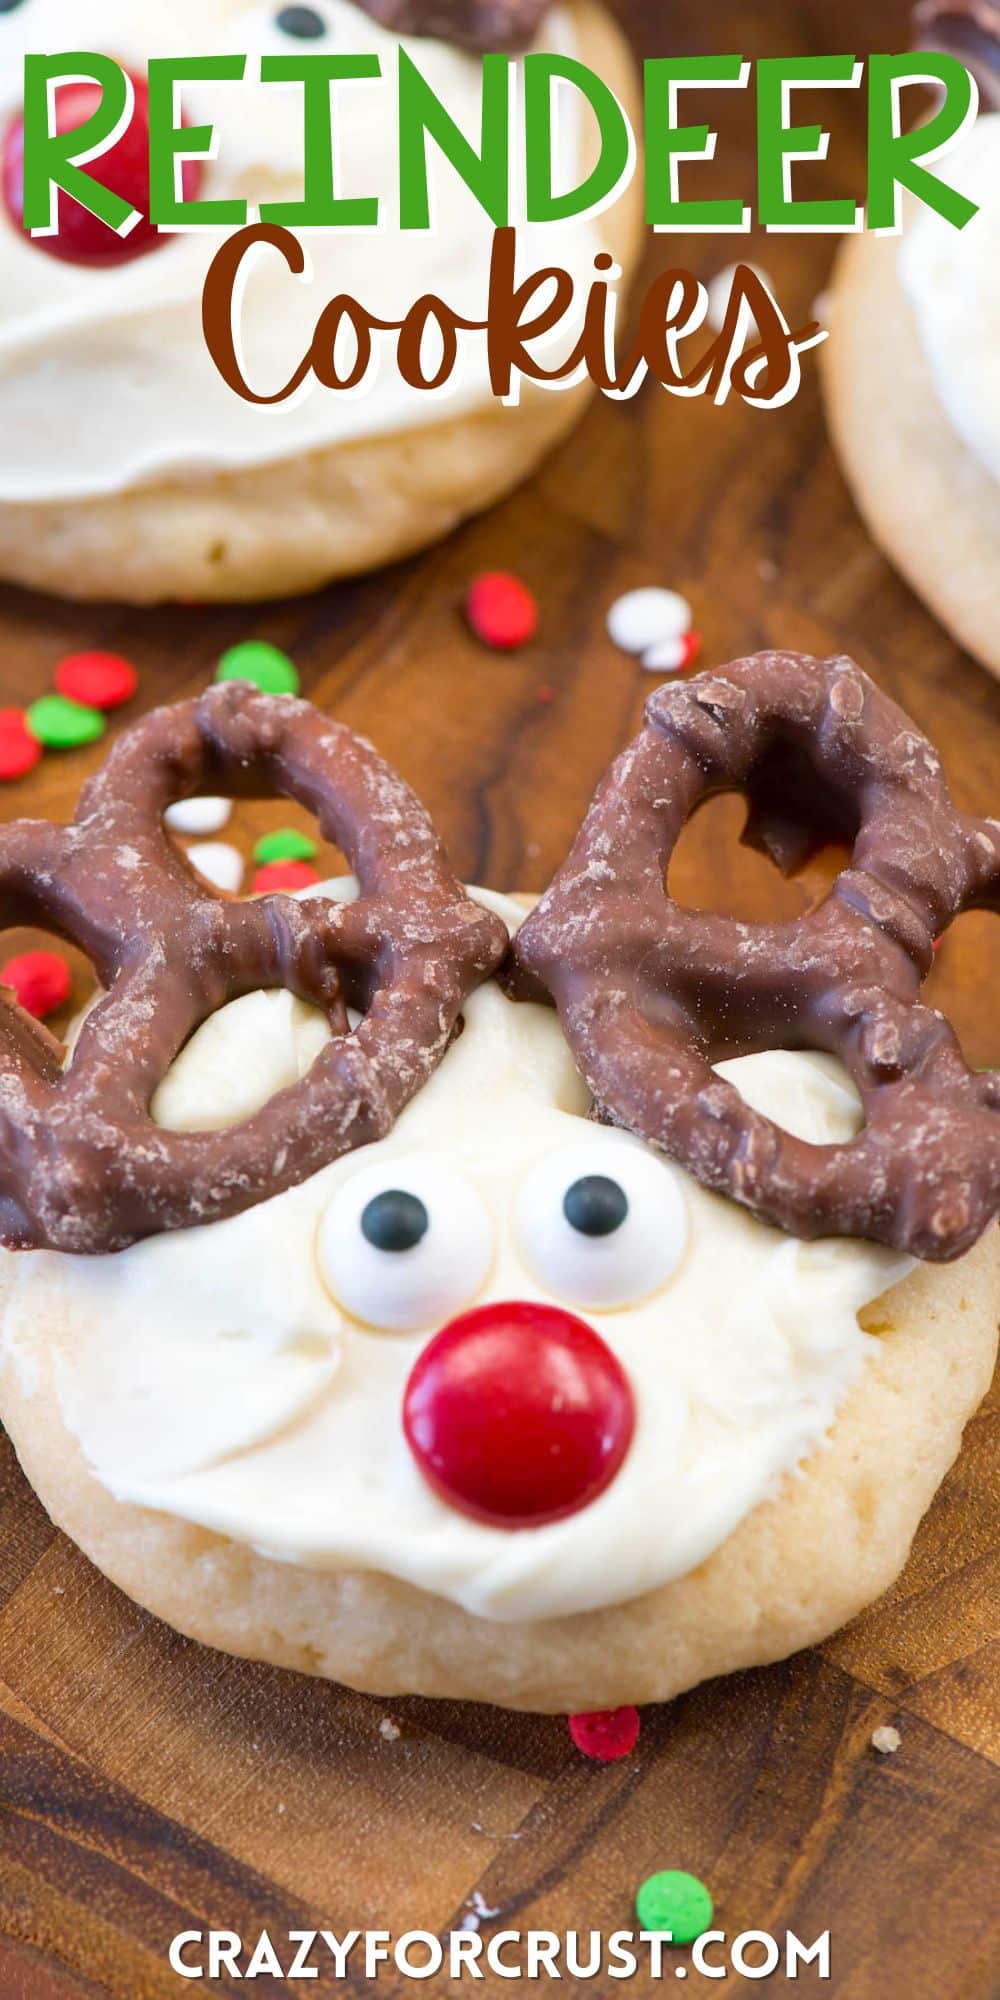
{"points": [[474, 24], [650, 995], [83, 1165]]}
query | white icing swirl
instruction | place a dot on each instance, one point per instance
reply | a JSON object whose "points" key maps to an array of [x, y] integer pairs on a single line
{"points": [[952, 280], [105, 380], [213, 1376]]}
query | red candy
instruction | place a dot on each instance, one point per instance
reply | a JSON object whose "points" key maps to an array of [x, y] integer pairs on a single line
{"points": [[288, 875], [607, 1734], [19, 750], [501, 610], [518, 1414], [98, 680], [81, 238], [40, 979]]}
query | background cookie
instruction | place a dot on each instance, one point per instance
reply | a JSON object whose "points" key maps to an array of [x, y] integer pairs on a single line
{"points": [[273, 529], [930, 505]]}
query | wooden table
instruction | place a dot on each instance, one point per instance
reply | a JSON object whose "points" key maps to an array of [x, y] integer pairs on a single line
{"points": [[149, 1786]]}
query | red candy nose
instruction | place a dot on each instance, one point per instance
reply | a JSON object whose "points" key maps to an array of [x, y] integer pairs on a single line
{"points": [[518, 1414], [81, 238]]}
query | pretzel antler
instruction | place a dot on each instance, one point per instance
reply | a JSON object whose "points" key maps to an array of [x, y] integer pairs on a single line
{"points": [[83, 1166], [650, 994]]}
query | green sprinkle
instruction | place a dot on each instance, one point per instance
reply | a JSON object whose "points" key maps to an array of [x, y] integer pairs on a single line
{"points": [[675, 1902], [286, 843], [266, 666], [62, 724]]}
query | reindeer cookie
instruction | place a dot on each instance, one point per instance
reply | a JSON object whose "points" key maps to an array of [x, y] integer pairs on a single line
{"points": [[130, 469], [484, 1395]]}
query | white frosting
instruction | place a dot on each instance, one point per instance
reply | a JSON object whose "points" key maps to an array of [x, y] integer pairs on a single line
{"points": [[213, 1375], [952, 280], [105, 379]]}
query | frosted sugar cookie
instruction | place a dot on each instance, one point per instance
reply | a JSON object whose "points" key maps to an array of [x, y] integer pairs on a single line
{"points": [[130, 469], [369, 1350]]}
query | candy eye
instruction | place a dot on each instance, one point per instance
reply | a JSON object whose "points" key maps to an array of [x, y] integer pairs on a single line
{"points": [[268, 29], [404, 1247], [601, 1225], [595, 1205], [394, 1220], [303, 24]]}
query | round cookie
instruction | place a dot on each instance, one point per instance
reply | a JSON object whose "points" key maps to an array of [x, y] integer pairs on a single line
{"points": [[782, 1457], [931, 503], [258, 506]]}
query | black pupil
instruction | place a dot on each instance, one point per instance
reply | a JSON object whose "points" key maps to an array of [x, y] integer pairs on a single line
{"points": [[595, 1205], [9, 6], [395, 1220], [303, 22]]}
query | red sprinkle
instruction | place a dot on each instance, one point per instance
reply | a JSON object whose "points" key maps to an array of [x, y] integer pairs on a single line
{"points": [[98, 680], [19, 750], [501, 610], [691, 644], [545, 694], [607, 1734], [40, 979], [283, 875]]}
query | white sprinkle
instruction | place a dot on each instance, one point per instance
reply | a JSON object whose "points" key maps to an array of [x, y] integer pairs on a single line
{"points": [[720, 287], [665, 658], [481, 1912], [219, 863], [389, 1729], [198, 816], [822, 307], [645, 618], [767, 570], [886, 1740]]}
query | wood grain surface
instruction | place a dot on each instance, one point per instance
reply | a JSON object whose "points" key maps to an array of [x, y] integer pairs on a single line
{"points": [[148, 1785]]}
